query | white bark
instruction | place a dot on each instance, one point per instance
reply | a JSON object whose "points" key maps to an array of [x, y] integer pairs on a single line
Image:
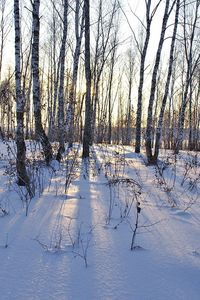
{"points": [[61, 120], [23, 178], [87, 125], [148, 142], [191, 66], [143, 53], [72, 92], [164, 100], [40, 133]]}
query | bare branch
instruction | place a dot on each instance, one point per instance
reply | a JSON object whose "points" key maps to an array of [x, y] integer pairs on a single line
{"points": [[137, 43], [155, 9], [137, 18]]}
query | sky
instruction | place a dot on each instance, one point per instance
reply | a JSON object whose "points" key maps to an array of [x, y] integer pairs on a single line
{"points": [[129, 8]]}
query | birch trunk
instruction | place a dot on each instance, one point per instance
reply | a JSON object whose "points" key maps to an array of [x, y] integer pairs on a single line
{"points": [[128, 122], [72, 92], [3, 34], [40, 133], [112, 64], [190, 142], [110, 96], [149, 18], [164, 101], [55, 67], [148, 142], [61, 120], [141, 82], [23, 179], [191, 66], [130, 85], [87, 126], [102, 53]]}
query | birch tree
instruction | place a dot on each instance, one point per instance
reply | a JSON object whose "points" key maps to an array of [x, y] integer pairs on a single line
{"points": [[166, 92], [110, 83], [143, 53], [131, 63], [61, 119], [87, 126], [106, 41], [79, 28], [148, 141], [40, 133], [54, 77], [23, 179], [195, 136], [191, 65]]}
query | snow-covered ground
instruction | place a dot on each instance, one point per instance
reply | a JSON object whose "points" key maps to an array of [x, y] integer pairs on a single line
{"points": [[75, 242]]}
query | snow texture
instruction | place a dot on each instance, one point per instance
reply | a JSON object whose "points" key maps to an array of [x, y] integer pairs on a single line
{"points": [[75, 241]]}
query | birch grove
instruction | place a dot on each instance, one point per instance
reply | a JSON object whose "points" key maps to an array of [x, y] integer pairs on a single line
{"points": [[96, 72]]}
